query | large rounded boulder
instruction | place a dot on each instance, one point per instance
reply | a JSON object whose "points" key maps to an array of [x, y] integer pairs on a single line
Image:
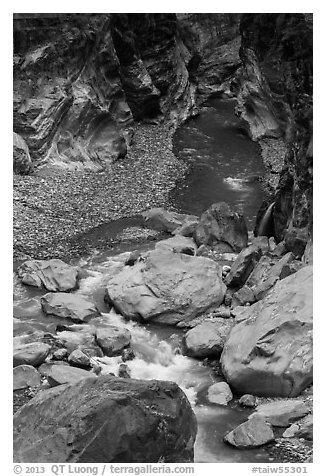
{"points": [[167, 287], [104, 420], [269, 350]]}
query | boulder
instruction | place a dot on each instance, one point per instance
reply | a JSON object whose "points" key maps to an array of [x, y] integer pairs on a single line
{"points": [[106, 420], [167, 287], [124, 371], [219, 225], [248, 400], [188, 228], [164, 220], [243, 296], [208, 338], [112, 339], [243, 266], [69, 306], [83, 340], [53, 275], [269, 350], [283, 413], [78, 358], [219, 393], [269, 273], [46, 368], [250, 434], [22, 159], [60, 374], [60, 354], [301, 429], [33, 353], [178, 244], [25, 376]]}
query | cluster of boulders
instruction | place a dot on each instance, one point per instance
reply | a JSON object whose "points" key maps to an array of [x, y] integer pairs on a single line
{"points": [[248, 307]]}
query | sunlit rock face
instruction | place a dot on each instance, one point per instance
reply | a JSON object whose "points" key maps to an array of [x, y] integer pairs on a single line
{"points": [[275, 98]]}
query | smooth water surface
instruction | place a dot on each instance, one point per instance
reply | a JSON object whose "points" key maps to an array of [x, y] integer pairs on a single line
{"points": [[224, 164]]}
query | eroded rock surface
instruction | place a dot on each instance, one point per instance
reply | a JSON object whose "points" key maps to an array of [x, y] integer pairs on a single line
{"points": [[106, 419]]}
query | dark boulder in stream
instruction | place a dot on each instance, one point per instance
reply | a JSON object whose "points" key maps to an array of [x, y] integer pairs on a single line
{"points": [[222, 229], [107, 419]]}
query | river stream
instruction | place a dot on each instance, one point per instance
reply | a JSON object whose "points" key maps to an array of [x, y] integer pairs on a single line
{"points": [[224, 165]]}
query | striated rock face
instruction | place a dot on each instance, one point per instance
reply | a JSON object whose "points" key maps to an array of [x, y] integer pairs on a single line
{"points": [[214, 41], [106, 419], [81, 79], [275, 98]]}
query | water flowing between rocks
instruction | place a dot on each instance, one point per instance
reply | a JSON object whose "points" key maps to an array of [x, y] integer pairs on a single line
{"points": [[224, 165]]}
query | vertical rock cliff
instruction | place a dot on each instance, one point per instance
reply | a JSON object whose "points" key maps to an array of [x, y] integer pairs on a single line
{"points": [[275, 98], [80, 80]]}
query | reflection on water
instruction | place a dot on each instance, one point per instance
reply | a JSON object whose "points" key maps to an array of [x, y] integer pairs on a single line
{"points": [[225, 165]]}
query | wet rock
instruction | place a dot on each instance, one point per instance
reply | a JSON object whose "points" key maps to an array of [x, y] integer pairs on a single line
{"points": [[208, 338], [60, 374], [25, 376], [219, 393], [220, 225], [167, 287], [250, 434], [22, 159], [248, 400], [124, 371], [243, 266], [127, 354], [283, 413], [163, 220], [269, 350], [33, 353], [78, 358], [53, 275], [106, 419], [70, 306], [178, 244], [112, 339], [83, 340]]}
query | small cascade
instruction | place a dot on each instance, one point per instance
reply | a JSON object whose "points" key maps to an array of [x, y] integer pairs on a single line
{"points": [[266, 225]]}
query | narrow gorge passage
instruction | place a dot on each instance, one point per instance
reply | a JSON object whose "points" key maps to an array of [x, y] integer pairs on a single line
{"points": [[224, 166], [224, 163]]}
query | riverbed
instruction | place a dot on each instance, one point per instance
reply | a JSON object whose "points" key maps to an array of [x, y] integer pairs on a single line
{"points": [[222, 165]]}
